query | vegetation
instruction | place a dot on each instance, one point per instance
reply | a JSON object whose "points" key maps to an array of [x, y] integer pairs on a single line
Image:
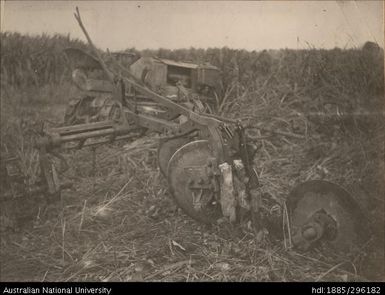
{"points": [[39, 60], [34, 60], [314, 114]]}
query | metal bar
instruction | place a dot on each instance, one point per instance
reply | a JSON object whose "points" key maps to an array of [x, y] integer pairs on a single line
{"points": [[197, 118], [152, 123], [82, 127], [96, 52], [86, 135], [91, 144]]}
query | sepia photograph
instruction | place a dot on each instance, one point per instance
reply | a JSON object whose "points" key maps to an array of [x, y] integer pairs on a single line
{"points": [[191, 141]]}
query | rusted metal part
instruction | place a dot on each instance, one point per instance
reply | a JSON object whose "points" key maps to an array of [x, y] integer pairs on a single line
{"points": [[167, 148], [240, 180], [88, 109], [227, 199], [190, 184], [252, 185], [132, 79], [319, 226], [164, 77], [322, 212]]}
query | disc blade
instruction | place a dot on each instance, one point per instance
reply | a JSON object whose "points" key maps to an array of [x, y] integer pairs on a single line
{"points": [[317, 195], [188, 163], [167, 149]]}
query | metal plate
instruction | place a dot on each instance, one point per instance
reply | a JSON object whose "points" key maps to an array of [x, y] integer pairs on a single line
{"points": [[312, 196], [166, 149], [187, 163]]}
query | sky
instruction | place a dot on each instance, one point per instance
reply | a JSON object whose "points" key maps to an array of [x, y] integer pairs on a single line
{"points": [[251, 25]]}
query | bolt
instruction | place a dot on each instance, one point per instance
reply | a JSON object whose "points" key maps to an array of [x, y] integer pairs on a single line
{"points": [[310, 233]]}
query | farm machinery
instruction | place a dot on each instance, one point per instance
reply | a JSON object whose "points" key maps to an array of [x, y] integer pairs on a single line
{"points": [[206, 159]]}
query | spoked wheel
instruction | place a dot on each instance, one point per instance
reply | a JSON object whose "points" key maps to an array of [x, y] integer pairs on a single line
{"points": [[189, 181], [321, 211], [167, 149]]}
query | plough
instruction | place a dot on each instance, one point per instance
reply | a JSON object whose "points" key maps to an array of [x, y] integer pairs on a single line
{"points": [[206, 159]]}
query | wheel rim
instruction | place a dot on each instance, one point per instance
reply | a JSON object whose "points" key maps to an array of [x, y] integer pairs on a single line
{"points": [[167, 149]]}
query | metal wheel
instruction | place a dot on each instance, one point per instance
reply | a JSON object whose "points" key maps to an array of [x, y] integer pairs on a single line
{"points": [[321, 211], [166, 149], [187, 170]]}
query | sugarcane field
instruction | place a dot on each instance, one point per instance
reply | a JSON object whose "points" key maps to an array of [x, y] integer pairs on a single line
{"points": [[192, 141]]}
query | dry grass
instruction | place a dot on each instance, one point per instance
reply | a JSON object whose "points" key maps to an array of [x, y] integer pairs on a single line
{"points": [[119, 223]]}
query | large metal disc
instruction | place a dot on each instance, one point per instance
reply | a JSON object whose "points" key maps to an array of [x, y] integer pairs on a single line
{"points": [[188, 163], [166, 149], [317, 195]]}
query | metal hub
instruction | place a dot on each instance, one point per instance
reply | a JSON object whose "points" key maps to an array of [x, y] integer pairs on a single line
{"points": [[322, 211], [191, 182]]}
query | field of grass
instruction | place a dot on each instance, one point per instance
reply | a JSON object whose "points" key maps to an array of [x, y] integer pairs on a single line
{"points": [[119, 222]]}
